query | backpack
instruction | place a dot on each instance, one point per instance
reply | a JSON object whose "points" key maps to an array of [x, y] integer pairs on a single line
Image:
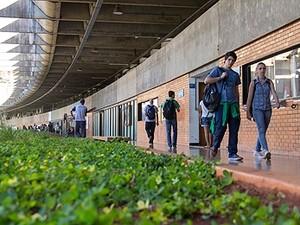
{"points": [[150, 112], [212, 97], [169, 110]]}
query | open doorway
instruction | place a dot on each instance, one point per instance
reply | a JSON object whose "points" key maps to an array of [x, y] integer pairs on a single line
{"points": [[200, 88], [197, 86]]}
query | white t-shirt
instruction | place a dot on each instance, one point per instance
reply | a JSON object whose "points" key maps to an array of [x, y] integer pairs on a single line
{"points": [[80, 112], [205, 112]]}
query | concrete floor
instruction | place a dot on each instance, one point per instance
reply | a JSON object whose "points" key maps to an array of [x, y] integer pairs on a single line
{"points": [[281, 173]]}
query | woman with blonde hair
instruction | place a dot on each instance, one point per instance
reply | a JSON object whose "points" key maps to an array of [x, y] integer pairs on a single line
{"points": [[259, 107]]}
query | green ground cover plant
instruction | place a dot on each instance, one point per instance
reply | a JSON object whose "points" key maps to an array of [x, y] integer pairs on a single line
{"points": [[59, 181]]}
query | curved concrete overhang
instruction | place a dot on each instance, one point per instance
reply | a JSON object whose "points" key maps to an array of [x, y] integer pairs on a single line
{"points": [[76, 47], [28, 31]]}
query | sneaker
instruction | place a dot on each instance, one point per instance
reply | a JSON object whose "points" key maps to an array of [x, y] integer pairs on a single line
{"points": [[257, 154], [266, 154], [170, 149], [151, 146], [235, 157], [174, 149], [213, 153]]}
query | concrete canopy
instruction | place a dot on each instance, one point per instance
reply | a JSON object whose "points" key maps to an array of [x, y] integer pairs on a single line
{"points": [[67, 49]]}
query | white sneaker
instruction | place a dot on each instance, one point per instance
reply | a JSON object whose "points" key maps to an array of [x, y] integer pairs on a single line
{"points": [[257, 154], [264, 154], [234, 158]]}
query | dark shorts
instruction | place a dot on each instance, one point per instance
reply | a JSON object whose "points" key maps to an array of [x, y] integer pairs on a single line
{"points": [[205, 121]]}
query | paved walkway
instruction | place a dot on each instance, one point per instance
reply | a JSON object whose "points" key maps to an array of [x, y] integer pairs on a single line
{"points": [[281, 173]]}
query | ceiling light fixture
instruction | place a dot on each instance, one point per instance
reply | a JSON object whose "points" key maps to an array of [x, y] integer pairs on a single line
{"points": [[94, 50], [117, 10]]}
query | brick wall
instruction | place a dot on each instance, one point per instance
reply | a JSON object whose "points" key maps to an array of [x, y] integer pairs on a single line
{"points": [[284, 130], [161, 93]]}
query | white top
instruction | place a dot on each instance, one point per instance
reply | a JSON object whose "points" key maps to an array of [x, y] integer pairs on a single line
{"points": [[80, 112], [204, 110]]}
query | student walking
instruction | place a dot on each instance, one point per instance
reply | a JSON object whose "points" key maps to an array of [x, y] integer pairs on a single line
{"points": [[170, 106], [228, 111], [205, 119], [151, 120], [80, 122], [259, 107]]}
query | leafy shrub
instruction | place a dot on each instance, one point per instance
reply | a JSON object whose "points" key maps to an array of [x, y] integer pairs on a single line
{"points": [[57, 181]]}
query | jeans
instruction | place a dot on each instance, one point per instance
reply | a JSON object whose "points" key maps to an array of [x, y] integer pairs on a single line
{"points": [[80, 130], [150, 128], [262, 119], [169, 125], [233, 124]]}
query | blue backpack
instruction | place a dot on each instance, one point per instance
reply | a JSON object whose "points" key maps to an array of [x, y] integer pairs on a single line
{"points": [[150, 112]]}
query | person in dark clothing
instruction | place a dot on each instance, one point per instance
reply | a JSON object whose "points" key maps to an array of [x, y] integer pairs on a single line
{"points": [[228, 111], [151, 121], [170, 106]]}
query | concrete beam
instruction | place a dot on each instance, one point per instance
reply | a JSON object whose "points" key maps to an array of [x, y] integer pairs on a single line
{"points": [[119, 43], [131, 30], [158, 3], [75, 11], [153, 3], [71, 28], [67, 40], [110, 52], [64, 51]]}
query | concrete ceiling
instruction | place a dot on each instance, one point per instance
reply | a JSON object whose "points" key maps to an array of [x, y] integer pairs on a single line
{"points": [[72, 48]]}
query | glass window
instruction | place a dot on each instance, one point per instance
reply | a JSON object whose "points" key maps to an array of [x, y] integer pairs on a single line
{"points": [[141, 108], [284, 70]]}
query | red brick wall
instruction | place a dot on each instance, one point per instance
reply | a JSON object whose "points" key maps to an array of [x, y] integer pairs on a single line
{"points": [[160, 141], [284, 131]]}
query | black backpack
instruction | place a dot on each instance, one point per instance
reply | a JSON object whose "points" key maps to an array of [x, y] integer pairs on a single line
{"points": [[212, 97], [150, 112], [169, 110]]}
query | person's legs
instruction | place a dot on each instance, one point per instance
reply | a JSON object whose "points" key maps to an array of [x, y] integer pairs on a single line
{"points": [[219, 129], [82, 130], [262, 123], [77, 128], [168, 134], [147, 128], [152, 130], [234, 125], [174, 124], [207, 136], [268, 115], [205, 122], [258, 146], [259, 116]]}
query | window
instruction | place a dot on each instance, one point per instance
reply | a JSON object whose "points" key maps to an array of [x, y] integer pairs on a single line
{"points": [[141, 108], [283, 69]]}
